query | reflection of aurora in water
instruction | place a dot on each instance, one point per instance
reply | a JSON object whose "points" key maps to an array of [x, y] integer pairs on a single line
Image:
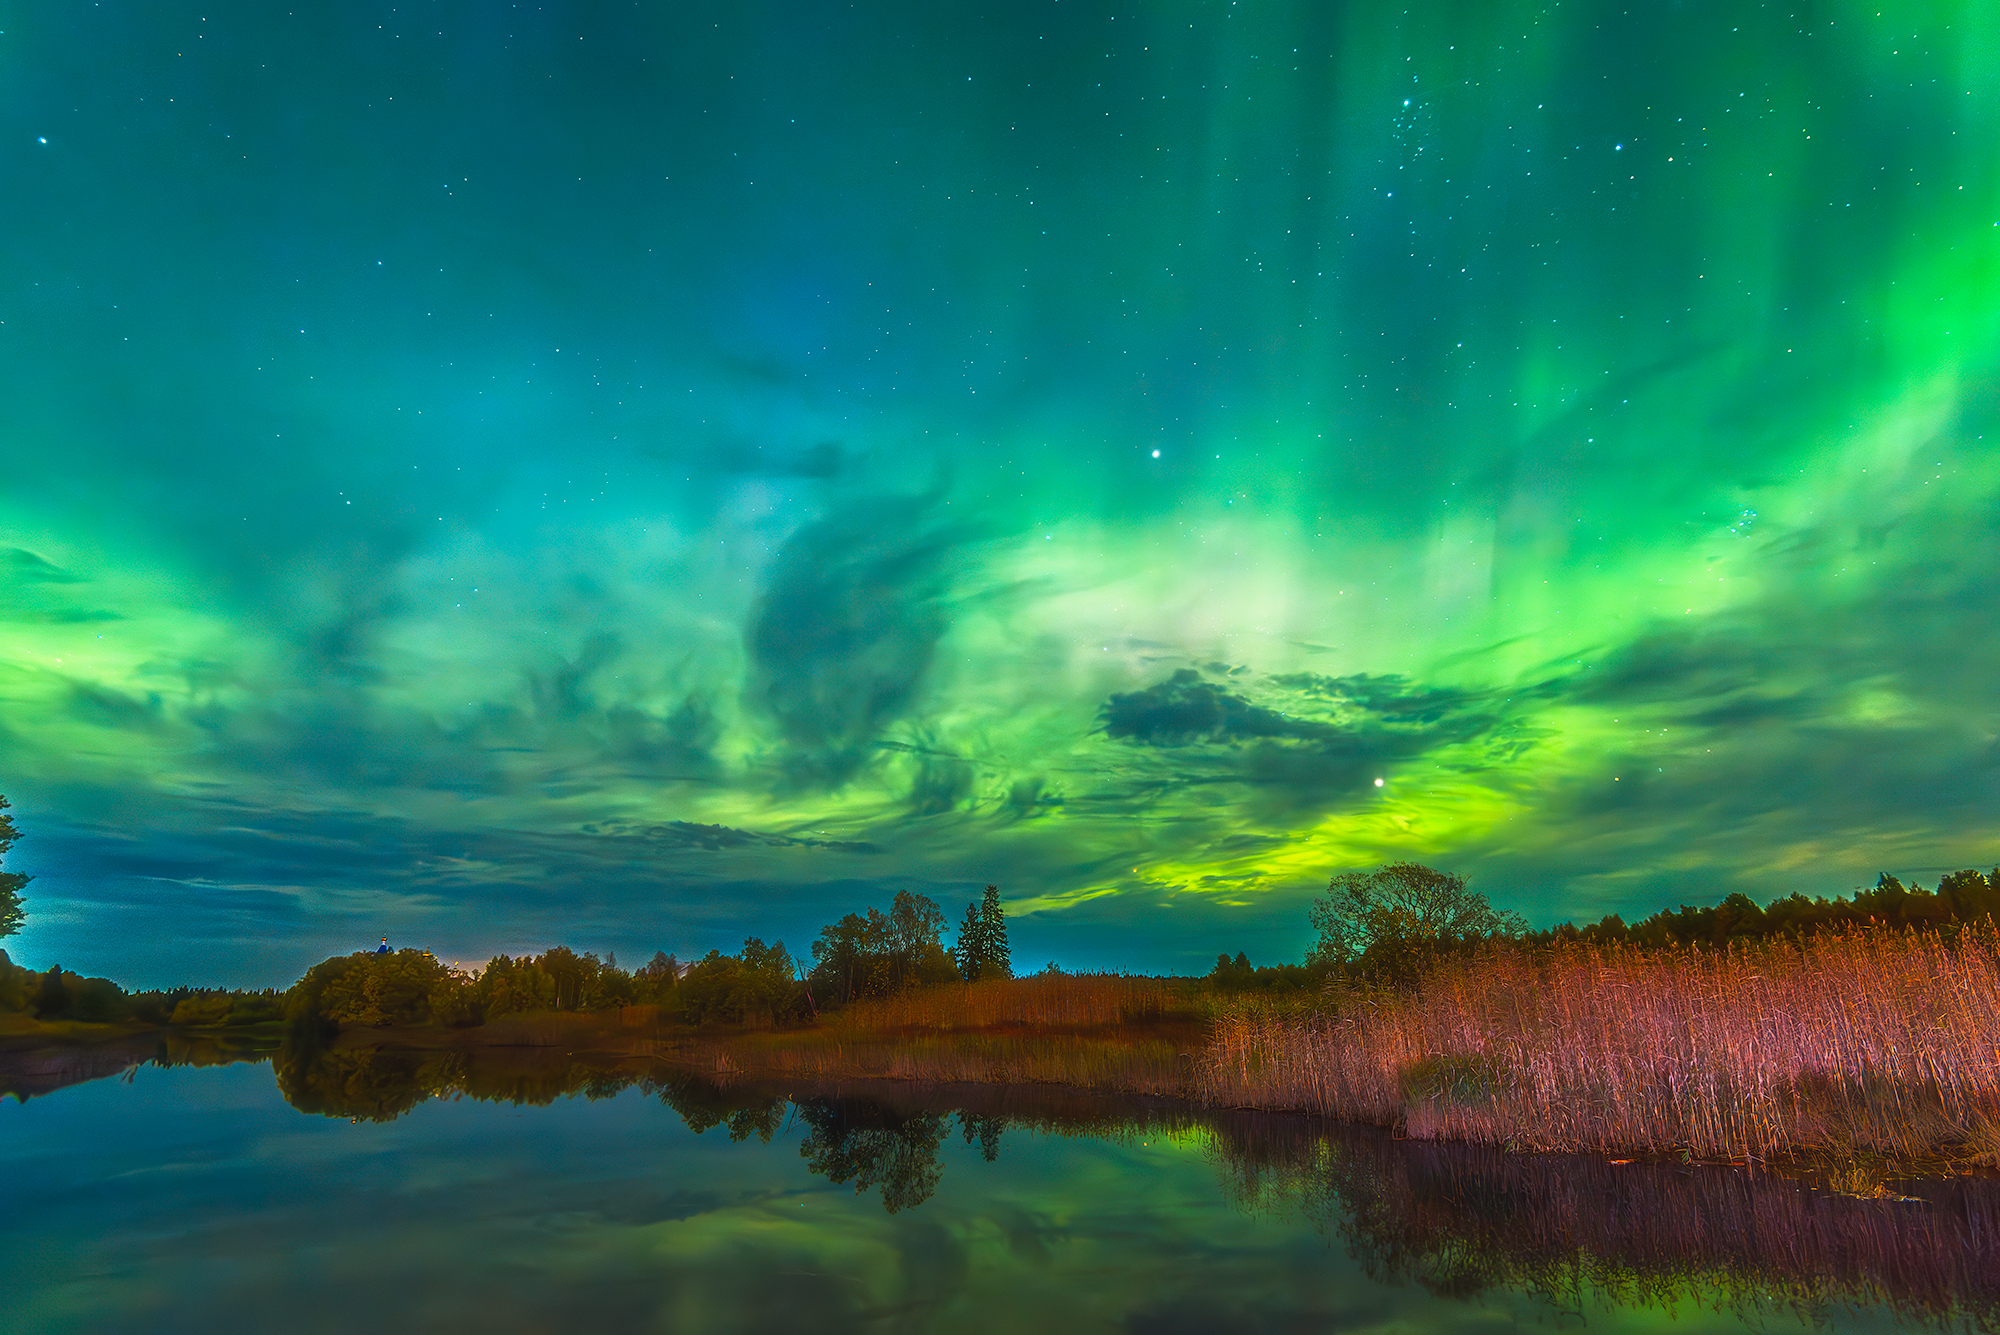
{"points": [[1458, 1220], [1461, 1223]]}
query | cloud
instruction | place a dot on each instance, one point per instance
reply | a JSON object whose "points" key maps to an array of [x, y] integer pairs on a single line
{"points": [[844, 632], [1184, 710], [718, 838], [22, 566], [1329, 743]]}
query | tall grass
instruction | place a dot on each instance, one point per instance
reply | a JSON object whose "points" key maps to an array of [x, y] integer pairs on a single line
{"points": [[1860, 1040], [1065, 1001], [1091, 1031], [1143, 1066]]}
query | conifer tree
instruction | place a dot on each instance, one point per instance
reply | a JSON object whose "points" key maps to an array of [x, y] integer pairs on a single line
{"points": [[982, 940], [969, 953], [11, 883], [999, 961]]}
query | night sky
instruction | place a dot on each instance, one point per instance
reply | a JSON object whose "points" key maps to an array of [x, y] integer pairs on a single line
{"points": [[638, 474]]}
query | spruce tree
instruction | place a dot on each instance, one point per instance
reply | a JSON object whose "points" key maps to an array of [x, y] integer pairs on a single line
{"points": [[969, 953], [11, 883], [997, 962]]}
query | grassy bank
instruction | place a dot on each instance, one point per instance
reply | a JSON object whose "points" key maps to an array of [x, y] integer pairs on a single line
{"points": [[1137, 1035], [1852, 1041]]}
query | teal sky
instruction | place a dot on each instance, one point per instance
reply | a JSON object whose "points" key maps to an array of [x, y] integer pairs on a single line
{"points": [[637, 474]]}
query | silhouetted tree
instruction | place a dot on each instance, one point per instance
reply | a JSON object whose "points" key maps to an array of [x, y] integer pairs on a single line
{"points": [[881, 953], [52, 1001], [11, 883], [1963, 897], [982, 950], [655, 980], [1391, 922]]}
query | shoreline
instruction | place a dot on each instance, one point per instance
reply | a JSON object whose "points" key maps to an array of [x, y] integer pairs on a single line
{"points": [[1862, 1045]]}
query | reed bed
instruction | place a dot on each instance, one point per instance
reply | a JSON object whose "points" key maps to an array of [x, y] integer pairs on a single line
{"points": [[1864, 1040], [1090, 1031], [1054, 1001], [1143, 1066]]}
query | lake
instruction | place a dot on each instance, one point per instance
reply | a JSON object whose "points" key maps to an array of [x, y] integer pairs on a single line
{"points": [[193, 1191]]}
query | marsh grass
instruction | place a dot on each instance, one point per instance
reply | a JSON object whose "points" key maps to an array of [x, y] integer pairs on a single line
{"points": [[1102, 1032], [1857, 1041], [1066, 1001]]}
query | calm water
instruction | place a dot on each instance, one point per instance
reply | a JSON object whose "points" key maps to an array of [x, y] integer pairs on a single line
{"points": [[197, 1198]]}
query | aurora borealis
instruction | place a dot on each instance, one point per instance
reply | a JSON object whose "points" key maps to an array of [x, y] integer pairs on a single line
{"points": [[638, 474]]}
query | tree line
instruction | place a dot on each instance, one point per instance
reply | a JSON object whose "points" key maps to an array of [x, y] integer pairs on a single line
{"points": [[1389, 925], [1384, 926], [1962, 899], [868, 954]]}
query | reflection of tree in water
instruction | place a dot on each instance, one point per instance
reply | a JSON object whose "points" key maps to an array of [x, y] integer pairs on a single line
{"points": [[1464, 1220], [38, 1069], [382, 1084], [984, 1131], [863, 1142], [1458, 1220], [703, 1104]]}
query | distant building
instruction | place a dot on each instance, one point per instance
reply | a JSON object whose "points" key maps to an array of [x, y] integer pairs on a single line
{"points": [[383, 949]]}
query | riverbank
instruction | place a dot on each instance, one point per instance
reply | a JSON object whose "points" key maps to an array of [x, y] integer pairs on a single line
{"points": [[1851, 1044]]}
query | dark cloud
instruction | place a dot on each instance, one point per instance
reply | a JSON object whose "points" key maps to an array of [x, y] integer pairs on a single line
{"points": [[1184, 710], [79, 616], [21, 566], [844, 632], [680, 743], [1389, 697], [1334, 740], [28, 592], [941, 784], [103, 707]]}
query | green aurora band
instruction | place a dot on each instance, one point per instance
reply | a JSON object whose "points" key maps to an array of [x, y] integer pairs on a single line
{"points": [[638, 475]]}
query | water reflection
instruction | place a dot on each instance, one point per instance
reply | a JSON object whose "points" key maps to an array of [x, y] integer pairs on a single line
{"points": [[1459, 1223], [35, 1070]]}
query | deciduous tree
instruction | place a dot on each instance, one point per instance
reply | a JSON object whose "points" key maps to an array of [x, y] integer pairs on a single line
{"points": [[1390, 922]]}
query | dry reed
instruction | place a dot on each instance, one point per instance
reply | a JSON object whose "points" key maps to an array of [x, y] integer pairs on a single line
{"points": [[1065, 1001], [1154, 1066], [1090, 1031], [1860, 1040]]}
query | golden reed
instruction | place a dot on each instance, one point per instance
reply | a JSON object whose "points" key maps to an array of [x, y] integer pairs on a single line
{"points": [[1085, 1030], [1863, 1040], [1066, 1001]]}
